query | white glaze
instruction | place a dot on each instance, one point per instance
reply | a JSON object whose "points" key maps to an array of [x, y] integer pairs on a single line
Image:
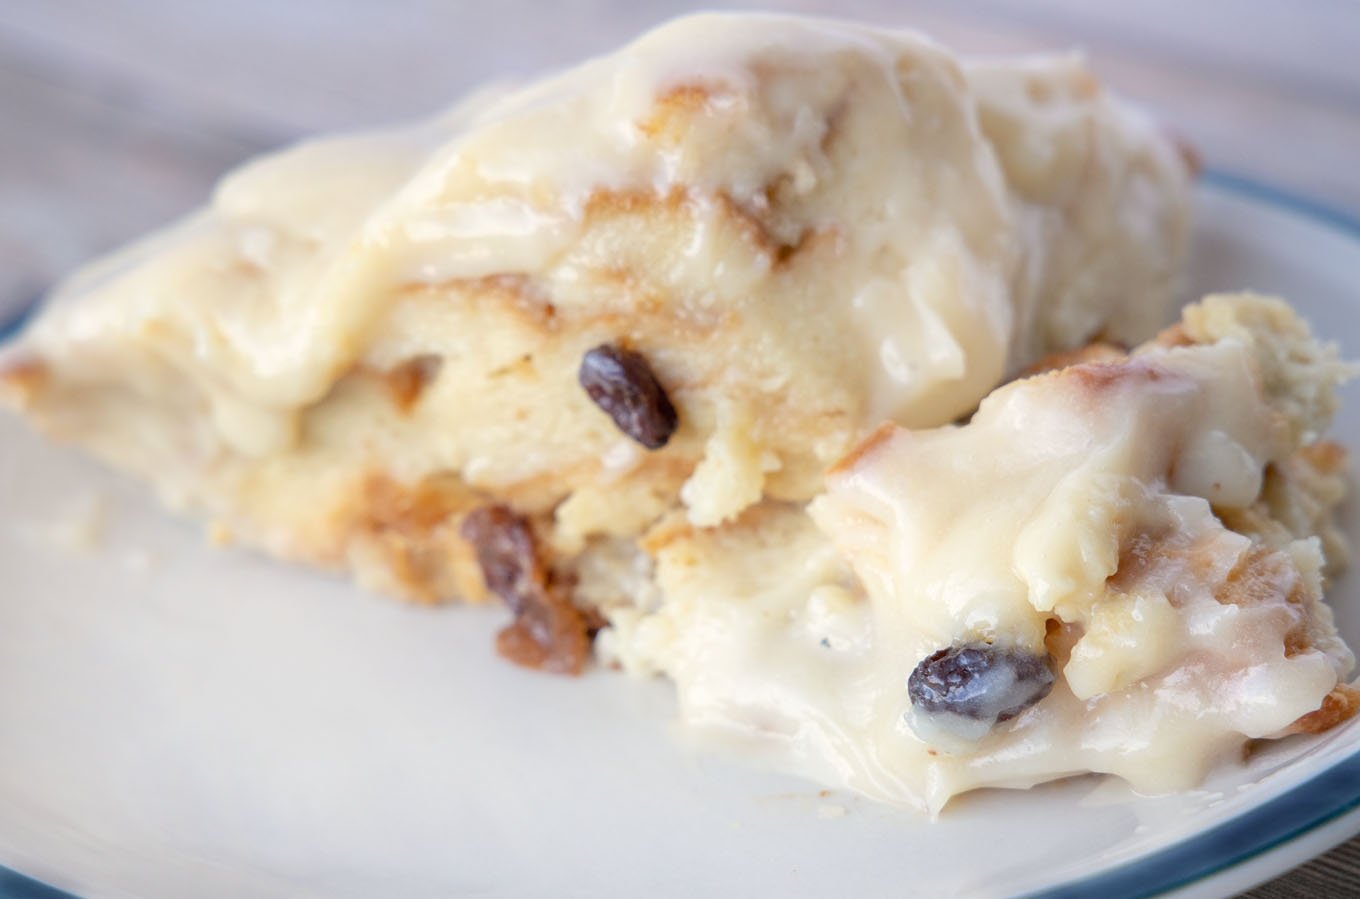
{"points": [[946, 272], [985, 532]]}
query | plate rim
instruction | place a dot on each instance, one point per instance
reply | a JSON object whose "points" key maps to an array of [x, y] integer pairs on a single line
{"points": [[1255, 834]]}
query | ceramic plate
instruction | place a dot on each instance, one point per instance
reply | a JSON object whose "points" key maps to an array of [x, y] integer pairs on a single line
{"points": [[181, 720]]}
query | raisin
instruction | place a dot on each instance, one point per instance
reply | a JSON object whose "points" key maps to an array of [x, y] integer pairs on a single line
{"points": [[621, 383], [507, 553], [980, 681], [549, 631]]}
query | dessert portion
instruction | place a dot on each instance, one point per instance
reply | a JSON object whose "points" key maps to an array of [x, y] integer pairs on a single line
{"points": [[664, 352], [1115, 566], [685, 278]]}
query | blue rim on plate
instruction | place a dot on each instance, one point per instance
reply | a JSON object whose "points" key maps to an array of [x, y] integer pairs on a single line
{"points": [[14, 885], [1318, 801], [11, 327]]}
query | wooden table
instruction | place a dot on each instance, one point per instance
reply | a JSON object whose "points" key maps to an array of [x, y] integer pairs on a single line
{"points": [[119, 116]]}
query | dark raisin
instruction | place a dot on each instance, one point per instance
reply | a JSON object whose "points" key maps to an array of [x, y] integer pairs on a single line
{"points": [[549, 631], [507, 554], [980, 681], [621, 383]]}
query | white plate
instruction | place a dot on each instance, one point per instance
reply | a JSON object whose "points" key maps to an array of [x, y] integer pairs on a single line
{"points": [[177, 720]]}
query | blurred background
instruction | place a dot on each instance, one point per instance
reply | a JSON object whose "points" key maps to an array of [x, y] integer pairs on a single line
{"points": [[118, 116]]}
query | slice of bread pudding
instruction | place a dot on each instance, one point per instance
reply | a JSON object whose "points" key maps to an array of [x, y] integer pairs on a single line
{"points": [[596, 346], [683, 278]]}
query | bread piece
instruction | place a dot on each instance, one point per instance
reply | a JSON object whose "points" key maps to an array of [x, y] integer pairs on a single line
{"points": [[802, 227]]}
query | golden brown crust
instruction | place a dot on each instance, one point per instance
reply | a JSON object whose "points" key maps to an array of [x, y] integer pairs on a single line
{"points": [[1174, 336], [672, 527], [414, 530], [1101, 377], [1339, 705], [1261, 575], [1141, 553], [760, 234], [1094, 352], [604, 203], [1298, 499], [1148, 549], [864, 449], [24, 377], [671, 112], [406, 382], [514, 293], [1326, 456], [413, 509]]}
